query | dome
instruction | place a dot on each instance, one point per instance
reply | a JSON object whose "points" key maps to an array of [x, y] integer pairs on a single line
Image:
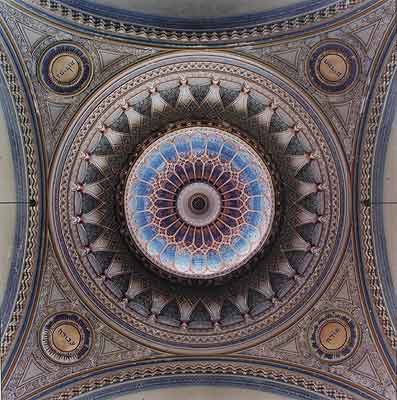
{"points": [[199, 202]]}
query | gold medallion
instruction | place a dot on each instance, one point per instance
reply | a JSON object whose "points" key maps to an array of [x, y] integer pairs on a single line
{"points": [[65, 69], [333, 68], [66, 337], [333, 335]]}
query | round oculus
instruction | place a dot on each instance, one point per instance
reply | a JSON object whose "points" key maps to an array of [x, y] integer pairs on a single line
{"points": [[199, 202]]}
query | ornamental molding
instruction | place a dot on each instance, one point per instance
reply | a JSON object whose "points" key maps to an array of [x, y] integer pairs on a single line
{"points": [[33, 220], [365, 213], [207, 38]]}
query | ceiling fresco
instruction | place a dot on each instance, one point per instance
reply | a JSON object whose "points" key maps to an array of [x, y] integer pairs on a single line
{"points": [[198, 202]]}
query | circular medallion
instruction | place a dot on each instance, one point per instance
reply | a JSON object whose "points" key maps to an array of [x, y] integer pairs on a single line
{"points": [[65, 338], [199, 202], [65, 68], [332, 67], [334, 336]]}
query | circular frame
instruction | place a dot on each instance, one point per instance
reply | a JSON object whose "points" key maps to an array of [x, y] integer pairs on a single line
{"points": [[49, 57], [267, 238], [327, 48]]}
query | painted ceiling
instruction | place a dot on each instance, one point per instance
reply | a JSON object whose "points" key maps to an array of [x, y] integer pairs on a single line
{"points": [[198, 199]]}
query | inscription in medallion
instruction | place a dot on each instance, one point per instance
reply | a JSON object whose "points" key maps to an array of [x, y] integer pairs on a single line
{"points": [[333, 335], [66, 337], [65, 68], [333, 67]]}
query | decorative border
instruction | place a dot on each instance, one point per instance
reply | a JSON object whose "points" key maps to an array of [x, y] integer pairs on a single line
{"points": [[206, 369], [33, 210], [143, 32], [364, 211]]}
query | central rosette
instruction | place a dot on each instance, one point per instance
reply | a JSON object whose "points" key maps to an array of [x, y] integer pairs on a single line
{"points": [[199, 202]]}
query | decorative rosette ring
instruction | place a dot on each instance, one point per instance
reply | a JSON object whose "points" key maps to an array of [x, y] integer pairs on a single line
{"points": [[199, 203]]}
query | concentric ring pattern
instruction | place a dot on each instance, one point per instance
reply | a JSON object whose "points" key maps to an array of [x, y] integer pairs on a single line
{"points": [[216, 165]]}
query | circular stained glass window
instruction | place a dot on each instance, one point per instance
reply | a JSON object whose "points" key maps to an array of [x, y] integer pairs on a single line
{"points": [[199, 202]]}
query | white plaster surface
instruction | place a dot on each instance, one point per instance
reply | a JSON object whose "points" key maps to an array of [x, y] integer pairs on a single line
{"points": [[197, 8], [7, 212], [390, 195], [201, 393]]}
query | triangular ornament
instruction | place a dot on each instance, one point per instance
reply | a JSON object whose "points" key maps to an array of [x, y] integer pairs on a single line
{"points": [[109, 57], [32, 371], [289, 56], [55, 110], [366, 34], [56, 294], [32, 36], [289, 347], [110, 347], [343, 110], [367, 369], [344, 292]]}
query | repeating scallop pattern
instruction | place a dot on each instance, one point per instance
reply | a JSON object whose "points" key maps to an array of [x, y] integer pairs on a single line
{"points": [[217, 158]]}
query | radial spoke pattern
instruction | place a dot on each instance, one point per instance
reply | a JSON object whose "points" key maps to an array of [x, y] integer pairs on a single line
{"points": [[236, 174]]}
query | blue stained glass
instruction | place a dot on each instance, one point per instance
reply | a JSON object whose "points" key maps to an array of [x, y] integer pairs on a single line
{"points": [[142, 189], [256, 203], [198, 144], [156, 161], [227, 254], [198, 262], [140, 203], [227, 152], [142, 218], [241, 246], [147, 174], [168, 151], [168, 255], [183, 261], [156, 246], [240, 161], [153, 205], [214, 261], [213, 146], [253, 218], [248, 174], [254, 189], [249, 232], [147, 233], [182, 147]]}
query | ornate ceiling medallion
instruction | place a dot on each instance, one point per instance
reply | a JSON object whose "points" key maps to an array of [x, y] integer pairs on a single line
{"points": [[199, 203], [65, 338], [332, 67], [65, 68], [334, 336]]}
